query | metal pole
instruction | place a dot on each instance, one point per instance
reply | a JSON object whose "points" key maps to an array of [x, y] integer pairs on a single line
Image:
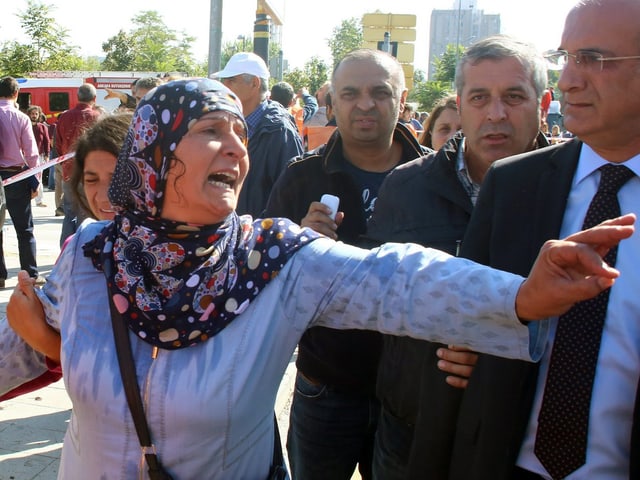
{"points": [[215, 36], [261, 35], [386, 43]]}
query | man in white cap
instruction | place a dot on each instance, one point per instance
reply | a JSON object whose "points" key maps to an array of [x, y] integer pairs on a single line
{"points": [[273, 135]]}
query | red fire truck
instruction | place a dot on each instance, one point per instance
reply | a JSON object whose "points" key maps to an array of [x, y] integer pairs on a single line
{"points": [[57, 94]]}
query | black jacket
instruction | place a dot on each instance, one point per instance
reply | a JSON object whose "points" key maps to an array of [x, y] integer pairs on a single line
{"points": [[272, 146], [344, 359], [423, 202]]}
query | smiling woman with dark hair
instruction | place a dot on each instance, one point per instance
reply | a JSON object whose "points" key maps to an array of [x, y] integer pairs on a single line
{"points": [[215, 303], [96, 152]]}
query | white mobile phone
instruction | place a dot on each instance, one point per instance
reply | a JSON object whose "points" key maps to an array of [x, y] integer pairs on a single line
{"points": [[332, 202]]}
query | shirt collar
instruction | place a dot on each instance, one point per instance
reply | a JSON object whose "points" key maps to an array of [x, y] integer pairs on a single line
{"points": [[590, 161], [472, 188], [461, 162], [253, 119]]}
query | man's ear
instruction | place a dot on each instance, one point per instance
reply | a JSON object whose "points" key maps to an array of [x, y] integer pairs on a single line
{"points": [[403, 99]]}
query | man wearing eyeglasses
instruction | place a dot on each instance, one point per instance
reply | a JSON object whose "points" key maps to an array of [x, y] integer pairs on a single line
{"points": [[524, 421]]}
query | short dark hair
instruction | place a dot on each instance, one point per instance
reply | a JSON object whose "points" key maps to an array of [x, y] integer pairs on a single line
{"points": [[8, 87], [498, 47], [34, 108], [282, 93], [327, 100], [148, 83], [379, 57]]}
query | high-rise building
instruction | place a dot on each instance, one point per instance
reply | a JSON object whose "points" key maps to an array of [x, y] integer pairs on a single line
{"points": [[463, 25]]}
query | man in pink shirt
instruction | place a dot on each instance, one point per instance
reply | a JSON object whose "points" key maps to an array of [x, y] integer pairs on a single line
{"points": [[71, 124], [18, 150]]}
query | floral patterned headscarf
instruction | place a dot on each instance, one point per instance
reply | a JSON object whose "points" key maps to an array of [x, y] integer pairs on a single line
{"points": [[178, 284]]}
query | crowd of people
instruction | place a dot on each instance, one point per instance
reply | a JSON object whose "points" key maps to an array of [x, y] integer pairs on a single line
{"points": [[414, 308]]}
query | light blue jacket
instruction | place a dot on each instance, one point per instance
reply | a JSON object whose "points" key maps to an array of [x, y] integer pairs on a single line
{"points": [[210, 407]]}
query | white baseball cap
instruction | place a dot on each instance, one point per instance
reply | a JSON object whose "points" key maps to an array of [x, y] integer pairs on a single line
{"points": [[243, 63]]}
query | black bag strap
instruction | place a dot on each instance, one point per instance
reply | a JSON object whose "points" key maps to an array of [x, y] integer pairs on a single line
{"points": [[278, 459], [278, 470], [132, 391]]}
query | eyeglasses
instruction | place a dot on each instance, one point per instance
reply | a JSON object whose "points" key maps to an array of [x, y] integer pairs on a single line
{"points": [[584, 58]]}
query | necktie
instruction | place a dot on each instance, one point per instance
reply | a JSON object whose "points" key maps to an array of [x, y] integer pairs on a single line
{"points": [[561, 439]]}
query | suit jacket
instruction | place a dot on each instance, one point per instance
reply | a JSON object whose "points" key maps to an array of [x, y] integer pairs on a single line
{"points": [[424, 202], [521, 205]]}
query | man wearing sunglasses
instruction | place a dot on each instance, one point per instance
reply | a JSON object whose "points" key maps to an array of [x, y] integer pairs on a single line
{"points": [[531, 421]]}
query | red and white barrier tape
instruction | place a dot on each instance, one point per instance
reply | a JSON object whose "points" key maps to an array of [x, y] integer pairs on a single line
{"points": [[37, 169]]}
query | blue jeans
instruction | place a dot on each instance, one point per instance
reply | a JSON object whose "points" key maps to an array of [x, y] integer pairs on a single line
{"points": [[69, 222], [330, 432], [392, 447], [554, 119], [18, 196], [51, 182]]}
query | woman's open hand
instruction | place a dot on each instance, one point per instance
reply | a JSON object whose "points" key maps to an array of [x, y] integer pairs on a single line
{"points": [[26, 317], [571, 270]]}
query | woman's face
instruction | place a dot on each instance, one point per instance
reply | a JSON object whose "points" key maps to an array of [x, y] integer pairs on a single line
{"points": [[445, 127], [206, 176], [96, 177]]}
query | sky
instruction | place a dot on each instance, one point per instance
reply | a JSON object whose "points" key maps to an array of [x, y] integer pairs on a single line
{"points": [[307, 24]]}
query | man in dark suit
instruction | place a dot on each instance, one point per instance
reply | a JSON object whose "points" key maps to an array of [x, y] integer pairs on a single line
{"points": [[533, 197], [429, 201]]}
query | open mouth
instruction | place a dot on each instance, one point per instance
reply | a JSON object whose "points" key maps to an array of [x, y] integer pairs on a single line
{"points": [[366, 121], [496, 137], [222, 180]]}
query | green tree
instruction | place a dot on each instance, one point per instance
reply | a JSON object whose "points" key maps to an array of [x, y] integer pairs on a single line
{"points": [[445, 65], [317, 72], [47, 37], [91, 64], [185, 62], [150, 46], [63, 59], [152, 42], [345, 38], [554, 76], [17, 59], [47, 48], [426, 94], [119, 50], [298, 78], [229, 49], [312, 76]]}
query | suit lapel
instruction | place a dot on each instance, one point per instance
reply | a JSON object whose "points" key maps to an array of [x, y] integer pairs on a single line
{"points": [[553, 191]]}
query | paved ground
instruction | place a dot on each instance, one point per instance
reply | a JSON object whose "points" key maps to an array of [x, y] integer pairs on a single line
{"points": [[32, 426]]}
